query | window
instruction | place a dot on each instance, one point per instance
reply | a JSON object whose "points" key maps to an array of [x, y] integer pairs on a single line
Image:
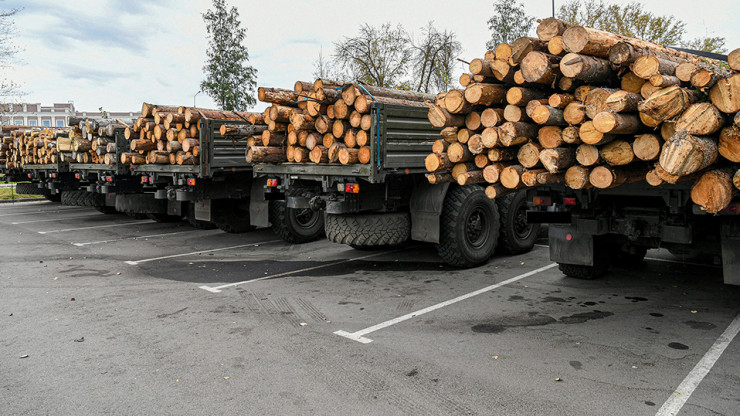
{"points": [[60, 123], [32, 123], [46, 123], [19, 122]]}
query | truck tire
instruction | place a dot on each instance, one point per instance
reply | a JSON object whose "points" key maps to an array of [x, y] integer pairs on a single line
{"points": [[231, 215], [469, 227], [52, 197], [28, 189], [296, 226], [74, 198], [197, 224], [363, 231], [516, 235], [578, 271]]}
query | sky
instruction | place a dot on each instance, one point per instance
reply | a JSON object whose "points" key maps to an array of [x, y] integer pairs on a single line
{"points": [[116, 54]]}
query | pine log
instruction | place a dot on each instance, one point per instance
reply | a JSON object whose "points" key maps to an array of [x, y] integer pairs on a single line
{"points": [[473, 121], [632, 83], [733, 59], [475, 144], [521, 47], [481, 161], [240, 130], [339, 128], [574, 113], [300, 154], [617, 123], [455, 102], [586, 68], [529, 155], [648, 89], [264, 154], [588, 155], [604, 177], [502, 51], [501, 155], [647, 147], [439, 117], [465, 79], [457, 153], [439, 177], [485, 94], [570, 135], [662, 81], [497, 191], [558, 159], [684, 153], [492, 172], [520, 96], [391, 93], [148, 110], [504, 72], [364, 155], [140, 145], [649, 121], [489, 137], [568, 84], [622, 101], [539, 67], [667, 103], [469, 178], [555, 46], [492, 117], [714, 190], [463, 135], [133, 158], [480, 67], [667, 129], [516, 114], [334, 150], [725, 94], [648, 65], [461, 168], [729, 144], [189, 144], [449, 134], [560, 100], [532, 105], [511, 134], [550, 136], [706, 78], [549, 28], [511, 176], [341, 109], [701, 119], [313, 139], [617, 153], [576, 177], [319, 154], [589, 135], [595, 101], [546, 115]]}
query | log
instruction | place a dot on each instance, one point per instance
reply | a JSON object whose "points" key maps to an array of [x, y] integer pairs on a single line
{"points": [[264, 154], [269, 138], [473, 121], [437, 161], [133, 158], [313, 139], [326, 83], [648, 89], [589, 135], [540, 68], [511, 134], [439, 117], [300, 154], [622, 101], [570, 135], [504, 72], [550, 136], [516, 114], [481, 161], [549, 28], [736, 179], [662, 81], [364, 154], [529, 155], [355, 118], [189, 144], [706, 78], [667, 129], [492, 172], [341, 109], [278, 96], [511, 176], [475, 144], [648, 65], [439, 177], [501, 155], [449, 134], [520, 96], [647, 147], [617, 153], [138, 145], [392, 93], [729, 144], [469, 178], [485, 94], [558, 159], [560, 100], [158, 158], [173, 146], [489, 137], [497, 191], [617, 123], [439, 146], [323, 124], [576, 177], [586, 68], [367, 122], [713, 192], [550, 116], [574, 113], [588, 155], [555, 46], [280, 113], [604, 177], [701, 119], [725, 94], [568, 84], [461, 168], [733, 59], [523, 46], [631, 83], [481, 67], [492, 117], [465, 79], [595, 101], [339, 128], [502, 51], [319, 154], [463, 135], [596, 42], [240, 130], [667, 103], [457, 153], [684, 153], [148, 110], [455, 102]]}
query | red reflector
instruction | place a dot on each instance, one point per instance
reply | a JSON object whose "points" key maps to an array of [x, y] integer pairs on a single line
{"points": [[191, 182], [29, 175], [568, 237], [542, 200], [144, 179], [53, 175], [569, 201], [109, 179], [352, 188], [272, 183], [77, 176]]}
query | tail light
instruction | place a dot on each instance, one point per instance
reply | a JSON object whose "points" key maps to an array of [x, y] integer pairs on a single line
{"points": [[77, 176], [352, 188], [271, 183], [569, 201], [191, 182], [542, 201], [144, 179]]}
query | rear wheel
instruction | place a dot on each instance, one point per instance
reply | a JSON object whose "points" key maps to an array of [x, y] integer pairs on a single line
{"points": [[469, 227], [296, 225], [28, 189], [516, 234], [232, 215], [365, 231]]}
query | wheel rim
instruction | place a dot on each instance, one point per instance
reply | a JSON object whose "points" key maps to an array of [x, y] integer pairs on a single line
{"points": [[306, 217], [477, 228], [522, 228]]}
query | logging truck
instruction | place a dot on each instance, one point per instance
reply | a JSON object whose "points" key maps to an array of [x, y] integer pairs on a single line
{"points": [[389, 201]]}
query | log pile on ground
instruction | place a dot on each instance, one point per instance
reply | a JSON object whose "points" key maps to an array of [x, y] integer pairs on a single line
{"points": [[171, 135], [591, 109], [21, 146], [327, 122], [91, 140]]}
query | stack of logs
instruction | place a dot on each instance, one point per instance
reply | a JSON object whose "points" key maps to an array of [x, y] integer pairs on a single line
{"points": [[90, 141], [324, 122], [591, 109], [170, 135], [29, 146]]}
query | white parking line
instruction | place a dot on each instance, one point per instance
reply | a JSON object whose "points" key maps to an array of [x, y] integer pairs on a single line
{"points": [[133, 263], [358, 335], [679, 397], [688, 263], [57, 219], [97, 226], [217, 289], [42, 212], [136, 237]]}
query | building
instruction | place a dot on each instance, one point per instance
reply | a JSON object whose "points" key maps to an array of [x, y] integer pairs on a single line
{"points": [[57, 115]]}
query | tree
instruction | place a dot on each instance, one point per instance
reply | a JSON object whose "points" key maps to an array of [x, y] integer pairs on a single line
{"points": [[230, 80], [628, 20], [509, 23], [324, 68], [8, 50], [377, 56], [434, 58], [714, 44]]}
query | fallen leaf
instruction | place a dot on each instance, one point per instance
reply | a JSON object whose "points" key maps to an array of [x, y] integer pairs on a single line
{"points": [[303, 324], [56, 278], [80, 339], [694, 311], [559, 379], [495, 357], [226, 378], [72, 299], [634, 366], [177, 381], [24, 356]]}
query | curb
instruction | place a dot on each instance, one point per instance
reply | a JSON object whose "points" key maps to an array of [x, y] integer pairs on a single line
{"points": [[18, 200]]}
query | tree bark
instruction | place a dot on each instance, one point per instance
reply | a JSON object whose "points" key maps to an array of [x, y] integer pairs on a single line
{"points": [[622, 101], [617, 123], [469, 178], [684, 153], [485, 94], [558, 159], [604, 177], [511, 134], [501, 155], [586, 68], [264, 154], [441, 177], [701, 119]]}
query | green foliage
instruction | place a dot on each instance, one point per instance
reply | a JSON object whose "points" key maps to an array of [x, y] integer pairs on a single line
{"points": [[508, 23], [707, 44], [625, 19], [230, 80]]}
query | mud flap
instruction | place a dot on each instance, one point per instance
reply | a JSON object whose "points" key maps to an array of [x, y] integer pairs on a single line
{"points": [[259, 207], [570, 247], [202, 210], [425, 206]]}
